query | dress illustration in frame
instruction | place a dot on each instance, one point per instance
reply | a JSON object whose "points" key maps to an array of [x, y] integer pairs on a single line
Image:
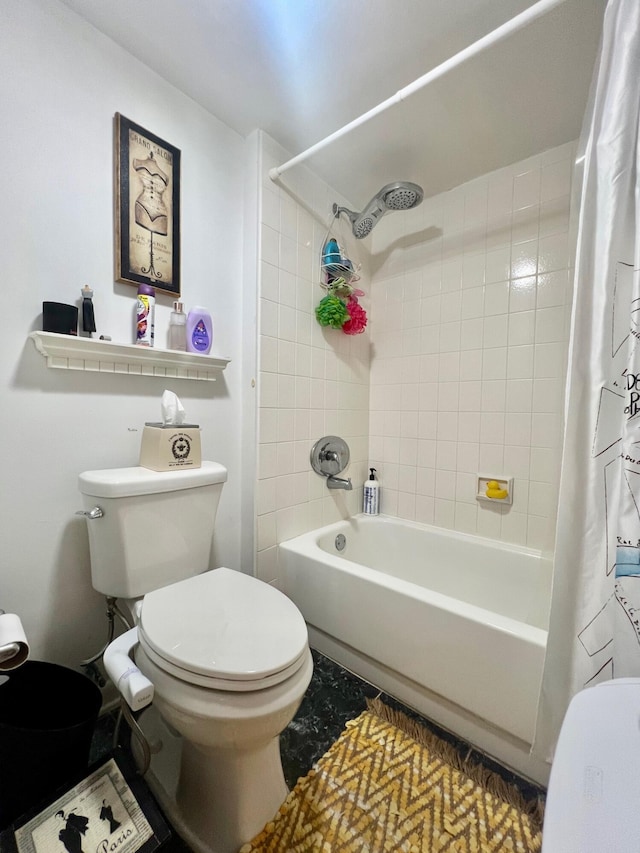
{"points": [[147, 208]]}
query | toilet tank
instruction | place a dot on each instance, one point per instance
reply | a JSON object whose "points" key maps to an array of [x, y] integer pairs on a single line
{"points": [[156, 527]]}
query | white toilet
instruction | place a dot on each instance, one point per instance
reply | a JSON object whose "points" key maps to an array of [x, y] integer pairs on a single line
{"points": [[593, 800], [224, 657]]}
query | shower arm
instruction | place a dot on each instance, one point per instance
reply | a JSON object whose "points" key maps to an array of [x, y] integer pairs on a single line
{"points": [[503, 31], [338, 209]]}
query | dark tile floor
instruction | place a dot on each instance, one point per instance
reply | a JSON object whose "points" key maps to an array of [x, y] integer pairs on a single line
{"points": [[334, 697]]}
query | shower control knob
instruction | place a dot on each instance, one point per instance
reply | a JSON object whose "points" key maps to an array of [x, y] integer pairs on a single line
{"points": [[329, 455], [94, 513]]}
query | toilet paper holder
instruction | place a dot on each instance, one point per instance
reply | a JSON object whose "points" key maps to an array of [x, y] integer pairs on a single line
{"points": [[14, 648], [8, 651]]}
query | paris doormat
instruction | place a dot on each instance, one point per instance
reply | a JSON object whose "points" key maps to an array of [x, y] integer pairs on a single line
{"points": [[109, 811]]}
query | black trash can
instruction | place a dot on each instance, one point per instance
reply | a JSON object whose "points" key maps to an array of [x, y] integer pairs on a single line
{"points": [[47, 718]]}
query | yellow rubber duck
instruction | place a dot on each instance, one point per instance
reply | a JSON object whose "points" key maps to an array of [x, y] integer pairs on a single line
{"points": [[495, 492]]}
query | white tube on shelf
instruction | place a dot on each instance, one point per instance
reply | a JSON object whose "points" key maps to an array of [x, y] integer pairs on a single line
{"points": [[513, 25]]}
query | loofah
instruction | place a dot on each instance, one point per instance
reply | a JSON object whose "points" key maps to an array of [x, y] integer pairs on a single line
{"points": [[331, 311], [357, 321]]}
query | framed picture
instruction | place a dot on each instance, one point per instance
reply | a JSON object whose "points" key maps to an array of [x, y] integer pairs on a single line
{"points": [[147, 208]]}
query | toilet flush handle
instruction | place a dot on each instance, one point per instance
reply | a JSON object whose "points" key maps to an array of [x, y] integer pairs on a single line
{"points": [[96, 512]]}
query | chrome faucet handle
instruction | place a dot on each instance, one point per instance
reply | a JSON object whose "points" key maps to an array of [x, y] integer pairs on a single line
{"points": [[329, 455], [94, 513]]}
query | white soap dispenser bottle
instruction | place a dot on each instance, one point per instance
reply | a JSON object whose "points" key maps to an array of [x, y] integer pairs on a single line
{"points": [[371, 503]]}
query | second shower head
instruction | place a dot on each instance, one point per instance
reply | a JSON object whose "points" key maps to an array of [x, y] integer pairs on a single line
{"points": [[401, 195]]}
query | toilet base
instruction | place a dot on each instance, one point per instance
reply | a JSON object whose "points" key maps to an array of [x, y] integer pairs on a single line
{"points": [[215, 799]]}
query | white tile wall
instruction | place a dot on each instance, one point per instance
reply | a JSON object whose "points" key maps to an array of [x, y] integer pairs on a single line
{"points": [[470, 330], [460, 371], [312, 381]]}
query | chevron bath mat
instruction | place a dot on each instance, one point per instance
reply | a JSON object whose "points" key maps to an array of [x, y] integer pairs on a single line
{"points": [[387, 784]]}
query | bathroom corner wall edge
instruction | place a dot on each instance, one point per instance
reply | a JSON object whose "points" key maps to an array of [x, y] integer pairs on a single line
{"points": [[249, 368]]}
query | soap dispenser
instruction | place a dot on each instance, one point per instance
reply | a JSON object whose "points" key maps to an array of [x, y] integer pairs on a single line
{"points": [[371, 502]]}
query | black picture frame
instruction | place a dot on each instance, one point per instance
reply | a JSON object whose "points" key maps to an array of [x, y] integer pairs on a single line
{"points": [[147, 208]]}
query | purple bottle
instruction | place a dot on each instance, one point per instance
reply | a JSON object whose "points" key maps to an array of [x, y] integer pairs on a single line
{"points": [[199, 330]]}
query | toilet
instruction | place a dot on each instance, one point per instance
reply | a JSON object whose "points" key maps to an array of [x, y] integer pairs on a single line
{"points": [[218, 660], [594, 789]]}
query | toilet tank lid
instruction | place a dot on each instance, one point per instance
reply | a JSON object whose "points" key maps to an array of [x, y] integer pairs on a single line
{"points": [[129, 482]]}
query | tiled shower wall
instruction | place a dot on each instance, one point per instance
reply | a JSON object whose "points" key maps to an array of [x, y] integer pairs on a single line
{"points": [[469, 324], [312, 381]]}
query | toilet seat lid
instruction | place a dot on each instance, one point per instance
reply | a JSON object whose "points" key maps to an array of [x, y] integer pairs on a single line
{"points": [[224, 625]]}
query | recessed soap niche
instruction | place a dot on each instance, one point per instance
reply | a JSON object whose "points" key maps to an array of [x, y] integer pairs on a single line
{"points": [[504, 484]]}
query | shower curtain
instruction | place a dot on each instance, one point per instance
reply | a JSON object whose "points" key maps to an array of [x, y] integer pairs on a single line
{"points": [[594, 629]]}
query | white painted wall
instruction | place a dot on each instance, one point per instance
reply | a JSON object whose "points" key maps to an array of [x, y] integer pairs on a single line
{"points": [[60, 84]]}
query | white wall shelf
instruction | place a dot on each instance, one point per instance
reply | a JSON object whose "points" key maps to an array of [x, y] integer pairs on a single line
{"points": [[68, 352]]}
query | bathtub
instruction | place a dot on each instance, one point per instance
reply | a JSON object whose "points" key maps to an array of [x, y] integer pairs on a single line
{"points": [[453, 625]]}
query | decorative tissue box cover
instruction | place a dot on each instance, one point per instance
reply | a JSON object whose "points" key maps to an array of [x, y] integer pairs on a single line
{"points": [[168, 447]]}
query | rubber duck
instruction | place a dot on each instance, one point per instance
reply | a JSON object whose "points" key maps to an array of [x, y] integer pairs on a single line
{"points": [[495, 492]]}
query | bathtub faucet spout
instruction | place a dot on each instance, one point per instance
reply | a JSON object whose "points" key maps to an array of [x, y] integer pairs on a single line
{"points": [[339, 483]]}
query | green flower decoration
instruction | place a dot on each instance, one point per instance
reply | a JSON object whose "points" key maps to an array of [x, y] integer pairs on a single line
{"points": [[331, 311]]}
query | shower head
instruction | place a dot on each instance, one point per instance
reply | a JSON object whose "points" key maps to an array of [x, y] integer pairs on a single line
{"points": [[402, 195]]}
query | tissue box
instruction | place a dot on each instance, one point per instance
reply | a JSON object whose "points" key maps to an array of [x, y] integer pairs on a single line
{"points": [[169, 447]]}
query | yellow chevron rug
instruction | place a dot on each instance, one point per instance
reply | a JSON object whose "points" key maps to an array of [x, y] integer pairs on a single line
{"points": [[387, 784]]}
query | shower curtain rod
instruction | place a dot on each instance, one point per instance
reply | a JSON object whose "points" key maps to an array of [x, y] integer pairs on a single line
{"points": [[513, 25]]}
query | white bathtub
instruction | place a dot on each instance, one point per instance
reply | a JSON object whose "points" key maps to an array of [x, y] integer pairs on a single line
{"points": [[452, 624]]}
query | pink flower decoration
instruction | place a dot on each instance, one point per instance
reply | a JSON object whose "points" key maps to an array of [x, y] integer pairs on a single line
{"points": [[357, 321]]}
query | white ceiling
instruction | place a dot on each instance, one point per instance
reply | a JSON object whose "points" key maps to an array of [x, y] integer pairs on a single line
{"points": [[301, 69]]}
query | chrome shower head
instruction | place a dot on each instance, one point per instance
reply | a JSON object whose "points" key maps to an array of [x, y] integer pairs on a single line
{"points": [[401, 195]]}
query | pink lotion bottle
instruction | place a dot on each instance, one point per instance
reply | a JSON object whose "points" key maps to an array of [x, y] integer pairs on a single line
{"points": [[199, 330]]}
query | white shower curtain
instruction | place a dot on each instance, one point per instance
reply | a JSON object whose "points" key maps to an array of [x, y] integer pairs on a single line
{"points": [[595, 614]]}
